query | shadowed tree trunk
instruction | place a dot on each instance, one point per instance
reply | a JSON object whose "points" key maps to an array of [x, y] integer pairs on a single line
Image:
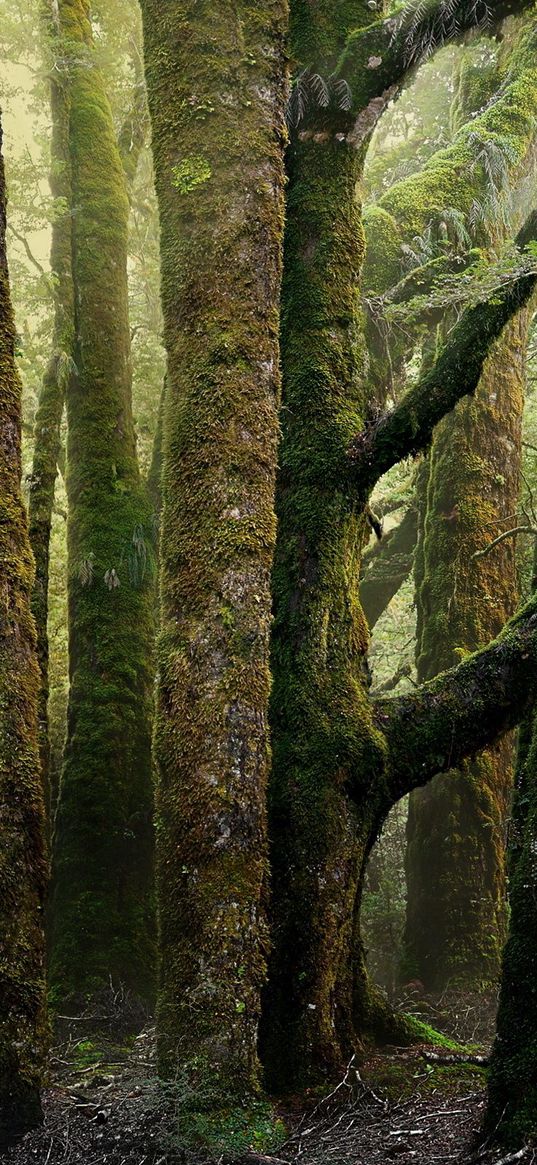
{"points": [[511, 1114], [216, 88], [103, 928], [23, 1029], [326, 741]]}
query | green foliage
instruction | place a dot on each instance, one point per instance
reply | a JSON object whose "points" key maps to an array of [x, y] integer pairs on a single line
{"points": [[190, 173]]}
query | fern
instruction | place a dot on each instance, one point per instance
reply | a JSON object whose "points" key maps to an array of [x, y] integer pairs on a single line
{"points": [[311, 92]]}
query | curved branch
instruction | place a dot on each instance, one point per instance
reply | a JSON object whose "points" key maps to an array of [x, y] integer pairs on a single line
{"points": [[381, 56], [461, 711], [408, 428]]}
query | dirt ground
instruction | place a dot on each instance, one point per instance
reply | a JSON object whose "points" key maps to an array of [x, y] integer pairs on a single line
{"points": [[411, 1107]]}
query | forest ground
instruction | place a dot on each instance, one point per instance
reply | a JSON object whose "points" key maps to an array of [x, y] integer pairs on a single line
{"points": [[418, 1106]]}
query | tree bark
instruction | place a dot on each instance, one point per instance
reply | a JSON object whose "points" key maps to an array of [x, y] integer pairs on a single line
{"points": [[23, 1028], [216, 87], [103, 909], [456, 914], [326, 744], [47, 432]]}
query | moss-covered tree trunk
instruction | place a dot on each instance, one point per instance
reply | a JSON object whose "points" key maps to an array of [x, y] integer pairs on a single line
{"points": [[216, 87], [321, 720], [455, 926], [47, 434], [103, 855], [22, 814], [327, 743]]}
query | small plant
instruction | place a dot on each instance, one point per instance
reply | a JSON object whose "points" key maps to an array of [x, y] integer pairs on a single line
{"points": [[190, 173]]}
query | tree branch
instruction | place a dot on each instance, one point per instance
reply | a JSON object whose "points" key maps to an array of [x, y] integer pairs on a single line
{"points": [[460, 712], [380, 57], [457, 372], [502, 538], [390, 567]]}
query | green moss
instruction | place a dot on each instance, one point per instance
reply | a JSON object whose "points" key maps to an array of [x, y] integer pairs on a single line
{"points": [[190, 173], [216, 98], [102, 910], [23, 867]]}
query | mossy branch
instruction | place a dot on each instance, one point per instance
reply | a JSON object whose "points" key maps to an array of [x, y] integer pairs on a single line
{"points": [[379, 57], [456, 373], [452, 717]]}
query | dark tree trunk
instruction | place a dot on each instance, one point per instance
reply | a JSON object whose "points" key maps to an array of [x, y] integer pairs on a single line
{"points": [[23, 1028]]}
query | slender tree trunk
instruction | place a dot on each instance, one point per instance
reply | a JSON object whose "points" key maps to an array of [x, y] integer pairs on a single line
{"points": [[47, 434], [511, 1114], [216, 86], [456, 915], [103, 928], [23, 1029]]}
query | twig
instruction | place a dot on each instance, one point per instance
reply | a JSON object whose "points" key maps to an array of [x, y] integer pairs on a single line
{"points": [[502, 537]]}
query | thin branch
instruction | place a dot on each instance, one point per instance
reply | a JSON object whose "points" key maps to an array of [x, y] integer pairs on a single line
{"points": [[502, 537], [35, 262]]}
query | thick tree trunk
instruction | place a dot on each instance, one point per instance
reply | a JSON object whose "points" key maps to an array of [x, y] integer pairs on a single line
{"points": [[216, 87], [103, 911], [23, 1031], [52, 396], [325, 742], [456, 915], [321, 720]]}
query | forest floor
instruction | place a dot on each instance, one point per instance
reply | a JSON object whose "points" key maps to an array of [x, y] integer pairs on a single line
{"points": [[418, 1106]]}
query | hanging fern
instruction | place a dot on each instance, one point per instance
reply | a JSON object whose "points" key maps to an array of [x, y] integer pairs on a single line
{"points": [[425, 25], [493, 161], [311, 92]]}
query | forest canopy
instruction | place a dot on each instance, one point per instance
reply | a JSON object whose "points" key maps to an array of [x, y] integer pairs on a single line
{"points": [[268, 621]]}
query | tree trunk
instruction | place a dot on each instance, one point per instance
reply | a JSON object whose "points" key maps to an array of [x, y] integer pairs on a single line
{"points": [[23, 1029], [456, 912], [321, 721], [456, 917], [511, 1115], [103, 919], [326, 742], [216, 87], [52, 398]]}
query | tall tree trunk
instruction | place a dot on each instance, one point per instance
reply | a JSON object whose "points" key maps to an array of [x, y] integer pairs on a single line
{"points": [[216, 87], [511, 1114], [47, 434], [326, 741], [321, 719], [103, 926], [23, 1029], [456, 913]]}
